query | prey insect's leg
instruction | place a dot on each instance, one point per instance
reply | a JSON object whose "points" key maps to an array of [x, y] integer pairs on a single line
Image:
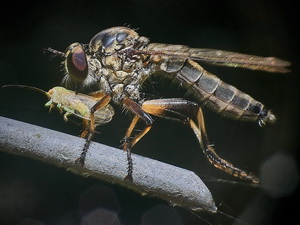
{"points": [[189, 112], [128, 144], [89, 125]]}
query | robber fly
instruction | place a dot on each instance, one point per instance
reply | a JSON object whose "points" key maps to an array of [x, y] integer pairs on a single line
{"points": [[117, 61]]}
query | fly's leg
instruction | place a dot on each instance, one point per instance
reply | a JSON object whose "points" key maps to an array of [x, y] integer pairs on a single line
{"points": [[89, 125], [85, 124], [88, 134], [129, 143], [211, 154], [189, 112]]}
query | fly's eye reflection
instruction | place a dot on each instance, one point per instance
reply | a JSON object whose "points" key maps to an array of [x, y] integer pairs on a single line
{"points": [[121, 36], [76, 62], [108, 40], [105, 41]]}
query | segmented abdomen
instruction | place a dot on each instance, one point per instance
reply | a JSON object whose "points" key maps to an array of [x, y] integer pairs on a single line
{"points": [[216, 94]]}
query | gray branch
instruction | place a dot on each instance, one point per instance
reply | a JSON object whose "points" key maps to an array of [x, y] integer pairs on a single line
{"points": [[175, 185]]}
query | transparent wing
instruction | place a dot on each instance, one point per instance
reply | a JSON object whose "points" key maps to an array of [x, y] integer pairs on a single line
{"points": [[220, 57]]}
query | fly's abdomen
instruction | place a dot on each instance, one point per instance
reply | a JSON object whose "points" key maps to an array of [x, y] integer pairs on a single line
{"points": [[216, 94]]}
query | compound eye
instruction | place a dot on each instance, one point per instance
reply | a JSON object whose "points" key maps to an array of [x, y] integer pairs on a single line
{"points": [[76, 62]]}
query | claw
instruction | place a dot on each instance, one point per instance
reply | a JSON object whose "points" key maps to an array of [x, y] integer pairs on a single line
{"points": [[66, 116], [128, 178], [80, 161]]}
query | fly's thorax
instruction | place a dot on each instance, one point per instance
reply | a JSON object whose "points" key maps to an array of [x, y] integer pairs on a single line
{"points": [[116, 39], [110, 39], [121, 84], [120, 75]]}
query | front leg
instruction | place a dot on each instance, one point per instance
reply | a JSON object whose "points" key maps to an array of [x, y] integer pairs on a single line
{"points": [[89, 125], [129, 143]]}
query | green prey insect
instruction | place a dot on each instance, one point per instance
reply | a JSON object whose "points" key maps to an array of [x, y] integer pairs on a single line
{"points": [[83, 106]]}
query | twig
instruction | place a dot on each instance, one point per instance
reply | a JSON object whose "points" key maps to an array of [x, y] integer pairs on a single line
{"points": [[175, 185]]}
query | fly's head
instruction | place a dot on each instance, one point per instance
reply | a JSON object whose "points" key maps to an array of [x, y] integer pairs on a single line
{"points": [[76, 64], [112, 56], [78, 69]]}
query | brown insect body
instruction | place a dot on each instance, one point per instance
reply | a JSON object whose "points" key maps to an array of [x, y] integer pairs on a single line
{"points": [[216, 94], [117, 61]]}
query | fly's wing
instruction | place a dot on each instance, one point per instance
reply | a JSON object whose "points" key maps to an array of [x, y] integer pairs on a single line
{"points": [[220, 57]]}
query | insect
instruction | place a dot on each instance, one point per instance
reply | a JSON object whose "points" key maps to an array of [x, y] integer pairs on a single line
{"points": [[117, 61], [78, 105]]}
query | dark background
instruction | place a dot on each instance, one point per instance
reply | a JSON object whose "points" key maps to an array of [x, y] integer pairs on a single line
{"points": [[35, 193]]}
